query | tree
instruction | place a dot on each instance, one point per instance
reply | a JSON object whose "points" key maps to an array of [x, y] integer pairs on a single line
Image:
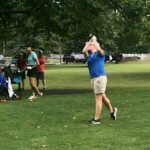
{"points": [[121, 26]]}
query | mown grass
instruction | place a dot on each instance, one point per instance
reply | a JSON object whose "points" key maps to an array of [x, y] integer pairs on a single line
{"points": [[59, 119]]}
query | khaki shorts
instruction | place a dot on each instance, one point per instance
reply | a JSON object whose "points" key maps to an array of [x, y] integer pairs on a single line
{"points": [[99, 84]]}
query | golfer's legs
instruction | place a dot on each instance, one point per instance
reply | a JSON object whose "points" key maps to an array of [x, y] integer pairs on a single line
{"points": [[98, 107], [107, 102]]}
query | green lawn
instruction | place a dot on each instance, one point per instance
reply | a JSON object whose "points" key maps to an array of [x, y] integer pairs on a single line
{"points": [[59, 119]]}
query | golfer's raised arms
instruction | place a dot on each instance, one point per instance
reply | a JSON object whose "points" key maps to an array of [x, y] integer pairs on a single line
{"points": [[99, 49], [85, 49]]}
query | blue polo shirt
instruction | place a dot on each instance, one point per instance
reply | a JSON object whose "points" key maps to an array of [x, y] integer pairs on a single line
{"points": [[96, 64]]}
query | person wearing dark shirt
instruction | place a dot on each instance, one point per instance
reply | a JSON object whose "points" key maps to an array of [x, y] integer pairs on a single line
{"points": [[21, 65]]}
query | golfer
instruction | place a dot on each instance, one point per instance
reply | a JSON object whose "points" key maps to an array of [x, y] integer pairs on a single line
{"points": [[95, 56]]}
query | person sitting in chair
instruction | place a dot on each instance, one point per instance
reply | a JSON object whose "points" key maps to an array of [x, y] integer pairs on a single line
{"points": [[5, 85]]}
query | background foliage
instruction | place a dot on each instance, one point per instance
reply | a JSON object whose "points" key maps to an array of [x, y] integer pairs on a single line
{"points": [[63, 26]]}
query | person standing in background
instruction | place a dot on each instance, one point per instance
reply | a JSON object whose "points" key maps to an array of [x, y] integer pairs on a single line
{"points": [[41, 69], [32, 63], [21, 66]]}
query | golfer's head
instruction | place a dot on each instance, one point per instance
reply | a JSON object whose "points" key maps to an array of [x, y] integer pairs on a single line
{"points": [[91, 46]]}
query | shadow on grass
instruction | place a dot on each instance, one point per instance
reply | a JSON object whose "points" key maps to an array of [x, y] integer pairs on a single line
{"points": [[89, 91], [67, 66], [63, 91]]}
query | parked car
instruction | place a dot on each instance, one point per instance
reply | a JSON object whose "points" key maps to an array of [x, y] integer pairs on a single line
{"points": [[74, 58], [2, 59], [13, 61], [116, 58]]}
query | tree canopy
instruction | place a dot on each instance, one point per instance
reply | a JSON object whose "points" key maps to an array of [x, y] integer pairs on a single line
{"points": [[63, 26]]}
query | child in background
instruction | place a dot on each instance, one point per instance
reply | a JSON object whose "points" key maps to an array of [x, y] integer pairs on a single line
{"points": [[21, 65], [41, 69]]}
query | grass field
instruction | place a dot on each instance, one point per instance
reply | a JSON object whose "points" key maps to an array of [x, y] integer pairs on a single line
{"points": [[59, 119]]}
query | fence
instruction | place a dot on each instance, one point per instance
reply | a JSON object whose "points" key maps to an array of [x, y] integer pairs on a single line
{"points": [[141, 56], [54, 59]]}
